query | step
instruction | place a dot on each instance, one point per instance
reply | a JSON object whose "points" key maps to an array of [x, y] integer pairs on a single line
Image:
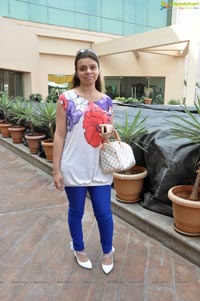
{"points": [[156, 225]]}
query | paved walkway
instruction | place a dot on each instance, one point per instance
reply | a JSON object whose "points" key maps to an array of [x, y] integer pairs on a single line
{"points": [[36, 263]]}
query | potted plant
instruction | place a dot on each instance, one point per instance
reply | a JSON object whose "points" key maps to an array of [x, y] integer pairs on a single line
{"points": [[148, 91], [129, 183], [132, 100], [47, 118], [33, 137], [186, 198], [5, 109], [17, 130]]}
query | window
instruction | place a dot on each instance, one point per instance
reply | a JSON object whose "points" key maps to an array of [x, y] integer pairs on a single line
{"points": [[11, 82]]}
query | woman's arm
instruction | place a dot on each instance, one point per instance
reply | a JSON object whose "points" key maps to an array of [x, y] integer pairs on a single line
{"points": [[58, 144]]}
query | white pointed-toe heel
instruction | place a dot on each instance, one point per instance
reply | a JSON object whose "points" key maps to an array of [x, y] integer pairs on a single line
{"points": [[107, 268], [84, 264]]}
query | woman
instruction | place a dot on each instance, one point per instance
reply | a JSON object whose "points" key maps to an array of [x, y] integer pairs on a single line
{"points": [[79, 115]]}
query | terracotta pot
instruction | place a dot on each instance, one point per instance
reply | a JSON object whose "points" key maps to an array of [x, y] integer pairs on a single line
{"points": [[48, 149], [17, 133], [33, 140], [147, 100], [1, 121], [128, 187], [186, 212], [5, 129]]}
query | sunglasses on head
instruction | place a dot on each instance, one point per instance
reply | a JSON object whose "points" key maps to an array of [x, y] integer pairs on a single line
{"points": [[83, 52]]}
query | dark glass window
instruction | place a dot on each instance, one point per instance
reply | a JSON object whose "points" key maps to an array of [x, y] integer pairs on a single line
{"points": [[134, 87], [11, 82]]}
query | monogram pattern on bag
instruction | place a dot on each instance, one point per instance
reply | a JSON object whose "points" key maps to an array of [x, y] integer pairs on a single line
{"points": [[116, 156]]}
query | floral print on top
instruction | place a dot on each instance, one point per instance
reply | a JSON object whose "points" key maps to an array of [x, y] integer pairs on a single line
{"points": [[94, 116], [94, 113], [80, 157]]}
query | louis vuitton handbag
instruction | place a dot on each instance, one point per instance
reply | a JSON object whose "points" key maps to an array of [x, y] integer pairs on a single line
{"points": [[115, 155]]}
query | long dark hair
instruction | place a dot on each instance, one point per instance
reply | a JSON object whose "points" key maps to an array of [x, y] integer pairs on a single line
{"points": [[84, 53]]}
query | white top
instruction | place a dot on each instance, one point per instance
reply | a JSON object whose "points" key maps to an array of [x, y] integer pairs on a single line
{"points": [[80, 158]]}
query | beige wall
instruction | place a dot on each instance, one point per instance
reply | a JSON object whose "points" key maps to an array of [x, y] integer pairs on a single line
{"points": [[148, 65], [43, 49], [53, 64], [39, 50], [19, 52]]}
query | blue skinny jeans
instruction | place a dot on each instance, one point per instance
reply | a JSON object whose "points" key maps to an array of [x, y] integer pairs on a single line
{"points": [[101, 203]]}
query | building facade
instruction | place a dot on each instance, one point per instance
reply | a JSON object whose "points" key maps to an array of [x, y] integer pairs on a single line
{"points": [[120, 17], [41, 38]]}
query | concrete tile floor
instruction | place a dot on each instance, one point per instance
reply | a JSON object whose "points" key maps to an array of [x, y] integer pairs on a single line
{"points": [[36, 263]]}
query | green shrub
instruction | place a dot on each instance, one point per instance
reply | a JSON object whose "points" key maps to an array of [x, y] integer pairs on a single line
{"points": [[132, 100], [127, 100], [122, 99], [174, 102]]}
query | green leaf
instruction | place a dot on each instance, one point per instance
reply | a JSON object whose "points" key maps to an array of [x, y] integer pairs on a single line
{"points": [[131, 133], [188, 127]]}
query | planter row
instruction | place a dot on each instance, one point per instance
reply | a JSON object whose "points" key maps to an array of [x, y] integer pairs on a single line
{"points": [[33, 139], [128, 187]]}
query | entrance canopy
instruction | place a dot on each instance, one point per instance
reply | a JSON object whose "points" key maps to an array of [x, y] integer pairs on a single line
{"points": [[176, 41], [171, 40]]}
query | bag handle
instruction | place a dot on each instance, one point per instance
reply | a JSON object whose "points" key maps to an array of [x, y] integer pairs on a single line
{"points": [[115, 135]]}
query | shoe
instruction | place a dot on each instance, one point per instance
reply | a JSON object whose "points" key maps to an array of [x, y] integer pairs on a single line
{"points": [[84, 264], [107, 268]]}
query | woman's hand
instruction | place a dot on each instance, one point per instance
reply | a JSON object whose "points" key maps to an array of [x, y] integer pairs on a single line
{"points": [[106, 130], [58, 180]]}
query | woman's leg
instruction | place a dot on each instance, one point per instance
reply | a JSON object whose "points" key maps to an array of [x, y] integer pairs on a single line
{"points": [[101, 202], [76, 197]]}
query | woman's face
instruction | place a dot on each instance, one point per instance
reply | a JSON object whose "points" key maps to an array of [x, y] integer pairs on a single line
{"points": [[87, 71]]}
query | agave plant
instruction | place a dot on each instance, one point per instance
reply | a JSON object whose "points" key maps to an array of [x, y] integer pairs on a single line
{"points": [[189, 128], [5, 106], [29, 114], [47, 116], [131, 133], [17, 107], [128, 184]]}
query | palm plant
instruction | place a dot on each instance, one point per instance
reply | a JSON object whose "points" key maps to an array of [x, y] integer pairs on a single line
{"points": [[47, 116], [29, 114], [17, 107], [5, 110], [129, 183], [17, 130], [189, 128], [5, 106], [131, 133]]}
